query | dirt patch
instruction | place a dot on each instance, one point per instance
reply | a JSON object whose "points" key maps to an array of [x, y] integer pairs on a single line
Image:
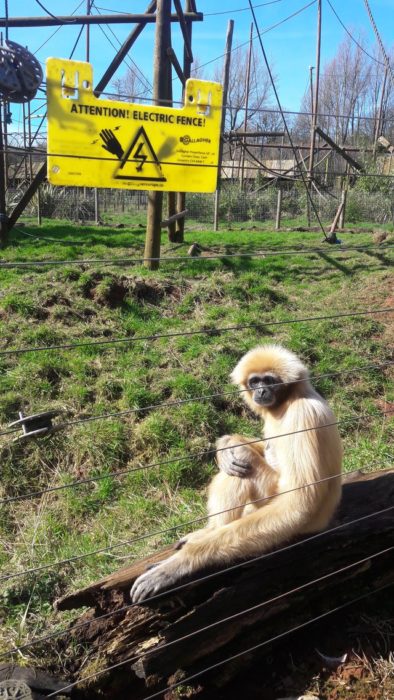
{"points": [[113, 291]]}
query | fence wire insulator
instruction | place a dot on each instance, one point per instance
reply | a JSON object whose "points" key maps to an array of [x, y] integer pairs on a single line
{"points": [[36, 426]]}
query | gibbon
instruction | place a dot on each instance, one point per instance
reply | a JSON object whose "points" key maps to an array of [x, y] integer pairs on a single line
{"points": [[300, 445]]}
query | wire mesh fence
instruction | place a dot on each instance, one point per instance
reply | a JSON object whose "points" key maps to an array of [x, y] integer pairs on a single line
{"points": [[248, 205]]}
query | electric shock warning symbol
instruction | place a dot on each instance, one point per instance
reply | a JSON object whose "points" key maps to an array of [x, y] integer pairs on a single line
{"points": [[96, 142], [138, 162]]}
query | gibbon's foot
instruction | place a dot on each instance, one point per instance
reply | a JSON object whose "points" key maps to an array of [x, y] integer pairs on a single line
{"points": [[235, 461], [163, 575]]}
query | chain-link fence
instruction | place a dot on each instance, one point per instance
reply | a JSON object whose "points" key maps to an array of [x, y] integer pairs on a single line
{"points": [[236, 205]]}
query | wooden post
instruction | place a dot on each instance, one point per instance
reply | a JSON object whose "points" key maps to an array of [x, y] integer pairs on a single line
{"points": [[160, 92], [6, 106], [171, 210], [247, 90], [226, 78], [181, 196], [278, 208], [39, 217], [96, 206], [345, 186], [378, 126], [314, 106], [30, 141]]}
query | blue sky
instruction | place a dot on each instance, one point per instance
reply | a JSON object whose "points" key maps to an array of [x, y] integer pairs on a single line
{"points": [[290, 47]]}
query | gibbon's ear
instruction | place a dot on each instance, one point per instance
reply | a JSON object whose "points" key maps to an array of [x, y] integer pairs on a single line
{"points": [[269, 358]]}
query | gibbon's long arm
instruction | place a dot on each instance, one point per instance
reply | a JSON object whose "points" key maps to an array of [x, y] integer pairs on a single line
{"points": [[251, 535]]}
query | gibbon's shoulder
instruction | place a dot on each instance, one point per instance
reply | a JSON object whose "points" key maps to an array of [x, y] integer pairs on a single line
{"points": [[270, 358]]}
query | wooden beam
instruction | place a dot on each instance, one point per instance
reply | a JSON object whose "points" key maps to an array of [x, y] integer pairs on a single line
{"points": [[75, 20], [184, 29], [339, 150], [174, 217], [177, 66]]}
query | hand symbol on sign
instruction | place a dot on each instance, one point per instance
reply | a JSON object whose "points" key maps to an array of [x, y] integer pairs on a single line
{"points": [[111, 143]]}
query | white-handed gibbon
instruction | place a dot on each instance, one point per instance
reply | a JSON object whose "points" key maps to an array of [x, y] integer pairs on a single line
{"points": [[300, 445]]}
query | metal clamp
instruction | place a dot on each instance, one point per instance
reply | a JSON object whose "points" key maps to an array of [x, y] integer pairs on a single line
{"points": [[37, 425]]}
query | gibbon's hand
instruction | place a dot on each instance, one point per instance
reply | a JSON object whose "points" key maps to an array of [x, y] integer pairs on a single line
{"points": [[236, 461], [111, 143], [163, 575]]}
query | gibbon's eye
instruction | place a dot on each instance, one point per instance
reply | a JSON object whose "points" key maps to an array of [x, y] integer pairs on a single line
{"points": [[268, 379], [255, 380]]}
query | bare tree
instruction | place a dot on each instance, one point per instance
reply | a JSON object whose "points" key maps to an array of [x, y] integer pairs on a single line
{"points": [[259, 89], [345, 93], [132, 87]]}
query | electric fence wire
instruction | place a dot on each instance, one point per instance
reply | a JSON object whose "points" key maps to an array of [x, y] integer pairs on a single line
{"points": [[57, 29], [360, 46], [190, 259], [257, 168], [212, 667], [176, 458], [204, 331], [126, 608], [114, 47], [174, 528], [317, 579], [74, 48], [268, 68], [235, 616], [206, 14], [67, 21], [263, 31]]}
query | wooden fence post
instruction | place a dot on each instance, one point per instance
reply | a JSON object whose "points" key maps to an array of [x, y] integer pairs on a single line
{"points": [[160, 93], [226, 78]]}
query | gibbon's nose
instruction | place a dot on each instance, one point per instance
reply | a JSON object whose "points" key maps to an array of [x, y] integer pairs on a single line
{"points": [[259, 394]]}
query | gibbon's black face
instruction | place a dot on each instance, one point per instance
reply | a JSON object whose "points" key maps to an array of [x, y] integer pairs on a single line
{"points": [[268, 389]]}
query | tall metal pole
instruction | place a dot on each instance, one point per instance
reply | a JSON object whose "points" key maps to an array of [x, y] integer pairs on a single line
{"points": [[311, 90], [88, 8], [181, 196], [160, 93], [247, 91], [226, 78], [3, 208], [315, 100]]}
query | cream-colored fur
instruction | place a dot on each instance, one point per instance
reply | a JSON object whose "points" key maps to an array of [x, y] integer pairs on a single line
{"points": [[284, 460]]}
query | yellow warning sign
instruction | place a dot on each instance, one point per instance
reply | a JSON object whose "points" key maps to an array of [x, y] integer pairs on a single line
{"points": [[95, 142]]}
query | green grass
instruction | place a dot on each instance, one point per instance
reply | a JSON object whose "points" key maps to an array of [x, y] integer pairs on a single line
{"points": [[76, 303]]}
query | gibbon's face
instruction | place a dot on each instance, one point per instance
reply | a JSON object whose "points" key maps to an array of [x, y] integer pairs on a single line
{"points": [[268, 389]]}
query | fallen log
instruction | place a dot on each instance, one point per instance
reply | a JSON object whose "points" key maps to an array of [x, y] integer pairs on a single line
{"points": [[222, 614]]}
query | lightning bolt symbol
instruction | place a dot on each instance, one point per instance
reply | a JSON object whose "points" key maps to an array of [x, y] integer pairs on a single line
{"points": [[140, 156]]}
